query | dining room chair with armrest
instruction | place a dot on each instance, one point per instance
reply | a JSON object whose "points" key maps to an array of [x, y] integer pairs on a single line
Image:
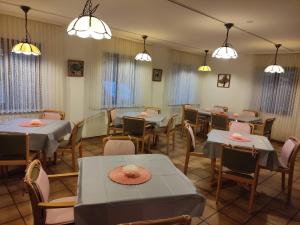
{"points": [[53, 114], [191, 149], [111, 126], [58, 211], [219, 121], [192, 116], [152, 110], [168, 132], [15, 151], [265, 129], [119, 145], [239, 164], [238, 127], [72, 145], [218, 108], [249, 113], [183, 108], [136, 127], [178, 220]]}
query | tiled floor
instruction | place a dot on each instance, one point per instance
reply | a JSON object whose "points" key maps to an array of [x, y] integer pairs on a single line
{"points": [[270, 207]]}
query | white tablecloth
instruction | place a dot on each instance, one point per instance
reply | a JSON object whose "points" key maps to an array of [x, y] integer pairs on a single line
{"points": [[44, 138], [268, 156], [102, 201]]}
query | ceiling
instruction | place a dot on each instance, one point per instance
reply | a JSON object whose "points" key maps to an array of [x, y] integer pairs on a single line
{"points": [[180, 28]]}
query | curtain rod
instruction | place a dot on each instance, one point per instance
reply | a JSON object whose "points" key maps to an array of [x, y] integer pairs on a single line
{"points": [[221, 21]]}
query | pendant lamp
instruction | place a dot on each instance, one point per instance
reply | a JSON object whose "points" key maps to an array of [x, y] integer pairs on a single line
{"points": [[205, 68], [143, 56], [275, 68]]}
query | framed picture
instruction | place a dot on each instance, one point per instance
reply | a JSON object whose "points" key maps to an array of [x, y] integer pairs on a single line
{"points": [[224, 80], [75, 68], [156, 74]]}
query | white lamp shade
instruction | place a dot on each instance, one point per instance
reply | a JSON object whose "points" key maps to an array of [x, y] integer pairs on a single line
{"points": [[26, 49], [204, 68], [144, 56], [274, 69], [89, 27], [225, 53]]}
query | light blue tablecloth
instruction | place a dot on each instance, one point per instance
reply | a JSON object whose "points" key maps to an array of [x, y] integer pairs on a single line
{"points": [[159, 119], [216, 138], [102, 201], [44, 138]]}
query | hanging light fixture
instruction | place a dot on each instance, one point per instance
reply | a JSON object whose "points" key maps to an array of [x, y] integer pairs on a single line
{"points": [[204, 68], [226, 51], [26, 47], [143, 56], [275, 68], [89, 26]]}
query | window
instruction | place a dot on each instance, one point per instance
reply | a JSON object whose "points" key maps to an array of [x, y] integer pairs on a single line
{"points": [[119, 81], [183, 84], [20, 80], [278, 92]]}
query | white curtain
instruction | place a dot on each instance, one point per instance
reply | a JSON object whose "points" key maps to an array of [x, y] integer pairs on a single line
{"points": [[52, 63]]}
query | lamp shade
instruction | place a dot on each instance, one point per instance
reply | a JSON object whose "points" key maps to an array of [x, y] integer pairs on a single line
{"points": [[26, 49], [143, 56], [204, 68], [274, 69], [225, 53]]}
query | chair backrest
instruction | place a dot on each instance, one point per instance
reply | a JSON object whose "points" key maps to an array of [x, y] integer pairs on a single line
{"points": [[219, 121], [171, 124], [134, 126], [76, 135], [111, 115], [37, 183], [178, 220], [238, 127], [53, 114], [14, 149], [289, 152], [187, 106], [119, 145], [249, 113], [152, 110], [240, 159], [190, 137], [268, 126], [191, 115], [218, 108]]}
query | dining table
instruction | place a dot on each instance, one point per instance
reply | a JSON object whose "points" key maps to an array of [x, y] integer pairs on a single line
{"points": [[43, 138], [157, 119], [100, 200]]}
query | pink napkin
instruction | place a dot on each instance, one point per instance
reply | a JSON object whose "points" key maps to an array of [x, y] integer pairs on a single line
{"points": [[29, 124], [117, 175], [241, 139]]}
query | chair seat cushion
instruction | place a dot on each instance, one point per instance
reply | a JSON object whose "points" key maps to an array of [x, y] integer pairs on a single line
{"points": [[61, 215]]}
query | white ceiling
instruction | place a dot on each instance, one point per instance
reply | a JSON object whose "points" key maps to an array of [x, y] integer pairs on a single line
{"points": [[177, 27]]}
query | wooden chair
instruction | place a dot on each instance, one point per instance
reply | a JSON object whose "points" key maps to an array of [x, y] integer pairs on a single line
{"points": [[136, 127], [152, 110], [119, 145], [178, 220], [192, 116], [287, 160], [168, 131], [58, 211], [190, 146], [239, 164], [238, 127], [111, 126], [218, 108], [71, 145], [53, 114], [183, 108], [265, 129], [15, 151], [219, 121], [249, 112]]}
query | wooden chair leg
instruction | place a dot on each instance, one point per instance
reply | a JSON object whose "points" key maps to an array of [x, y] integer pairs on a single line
{"points": [[173, 141], [283, 180], [290, 186], [168, 143], [54, 158], [219, 186], [148, 146], [73, 159], [143, 143], [186, 164], [252, 196], [80, 151]]}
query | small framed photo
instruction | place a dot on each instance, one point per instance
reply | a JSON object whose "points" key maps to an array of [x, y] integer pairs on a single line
{"points": [[156, 74], [75, 68], [223, 80]]}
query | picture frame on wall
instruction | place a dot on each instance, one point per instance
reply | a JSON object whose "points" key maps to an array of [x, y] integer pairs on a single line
{"points": [[223, 80], [75, 68], [157, 75]]}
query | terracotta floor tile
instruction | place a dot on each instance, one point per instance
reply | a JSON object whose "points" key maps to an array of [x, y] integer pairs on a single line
{"points": [[5, 200], [220, 219], [238, 214], [25, 208], [208, 211], [273, 217], [20, 196], [258, 221], [8, 214], [16, 222]]}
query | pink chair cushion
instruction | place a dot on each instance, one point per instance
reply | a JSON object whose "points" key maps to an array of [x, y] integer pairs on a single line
{"points": [[42, 183], [237, 127], [151, 112], [62, 215], [188, 107], [286, 152], [248, 114], [52, 116], [119, 147], [192, 136], [113, 114]]}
